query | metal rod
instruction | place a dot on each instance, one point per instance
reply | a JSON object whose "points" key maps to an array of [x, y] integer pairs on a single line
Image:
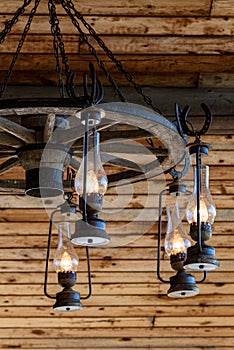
{"points": [[85, 159], [96, 149], [160, 235], [198, 180], [48, 256], [89, 275]]}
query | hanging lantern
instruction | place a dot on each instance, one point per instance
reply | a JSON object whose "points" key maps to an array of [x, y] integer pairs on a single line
{"points": [[91, 185], [65, 263], [201, 256], [176, 244], [207, 207], [201, 209]]}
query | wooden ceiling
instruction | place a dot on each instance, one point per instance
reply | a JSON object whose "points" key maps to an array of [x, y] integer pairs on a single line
{"points": [[163, 43], [180, 52]]}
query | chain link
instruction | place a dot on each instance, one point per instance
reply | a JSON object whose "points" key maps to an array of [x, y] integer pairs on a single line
{"points": [[59, 46], [9, 24], [68, 5], [19, 47], [55, 29], [59, 68], [57, 43]]}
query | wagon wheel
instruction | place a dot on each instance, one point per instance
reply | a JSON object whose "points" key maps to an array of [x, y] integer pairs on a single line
{"points": [[125, 131]]}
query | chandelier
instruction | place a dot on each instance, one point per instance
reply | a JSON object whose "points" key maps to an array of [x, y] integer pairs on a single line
{"points": [[57, 142]]}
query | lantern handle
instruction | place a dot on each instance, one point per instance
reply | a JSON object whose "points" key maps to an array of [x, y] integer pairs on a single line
{"points": [[89, 276], [48, 255]]}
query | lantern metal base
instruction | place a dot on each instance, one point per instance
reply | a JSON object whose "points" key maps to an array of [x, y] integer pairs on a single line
{"points": [[68, 300], [91, 233], [94, 203], [67, 279], [177, 261], [183, 285], [206, 231], [204, 260]]}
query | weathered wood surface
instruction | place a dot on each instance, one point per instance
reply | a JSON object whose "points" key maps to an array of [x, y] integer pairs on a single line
{"points": [[164, 44], [22, 215], [153, 63], [123, 300], [127, 45], [215, 278], [120, 342], [116, 332], [17, 130], [121, 25], [111, 201], [129, 7], [133, 8], [38, 228], [219, 100]]}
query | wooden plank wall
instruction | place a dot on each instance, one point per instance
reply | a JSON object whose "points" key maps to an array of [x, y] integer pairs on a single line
{"points": [[167, 43], [129, 308]]}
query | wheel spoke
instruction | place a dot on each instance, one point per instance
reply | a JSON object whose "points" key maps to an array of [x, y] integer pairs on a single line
{"points": [[8, 165]]}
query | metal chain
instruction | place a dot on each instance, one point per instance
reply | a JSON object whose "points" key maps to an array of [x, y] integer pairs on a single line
{"points": [[59, 68], [92, 50], [57, 33], [129, 77], [9, 24], [19, 47], [55, 30]]}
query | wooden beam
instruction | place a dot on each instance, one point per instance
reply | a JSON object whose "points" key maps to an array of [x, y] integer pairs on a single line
{"points": [[123, 311], [33, 215], [111, 201], [122, 253], [224, 80], [128, 7], [127, 45], [133, 25], [141, 322], [224, 7], [8, 165], [146, 232], [219, 100], [51, 332], [110, 266], [146, 63], [106, 277], [121, 300]]}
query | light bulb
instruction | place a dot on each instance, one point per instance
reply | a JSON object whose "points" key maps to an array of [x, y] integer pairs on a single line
{"points": [[92, 186], [65, 258], [176, 240], [192, 216], [207, 206], [176, 243], [96, 176], [65, 263]]}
